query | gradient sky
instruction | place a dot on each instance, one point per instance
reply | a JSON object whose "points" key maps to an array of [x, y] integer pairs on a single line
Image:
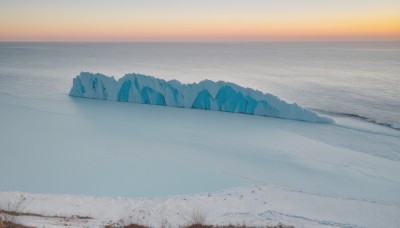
{"points": [[199, 20]]}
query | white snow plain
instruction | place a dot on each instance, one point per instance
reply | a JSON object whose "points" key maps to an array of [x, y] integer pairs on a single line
{"points": [[129, 162]]}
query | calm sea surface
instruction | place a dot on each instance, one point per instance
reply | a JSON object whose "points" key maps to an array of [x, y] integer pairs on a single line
{"points": [[347, 78]]}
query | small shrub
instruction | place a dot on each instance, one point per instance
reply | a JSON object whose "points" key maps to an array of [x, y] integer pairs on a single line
{"points": [[127, 226], [9, 216], [134, 226], [199, 226], [197, 217]]}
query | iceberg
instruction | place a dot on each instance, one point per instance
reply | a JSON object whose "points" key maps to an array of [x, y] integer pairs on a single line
{"points": [[207, 95]]}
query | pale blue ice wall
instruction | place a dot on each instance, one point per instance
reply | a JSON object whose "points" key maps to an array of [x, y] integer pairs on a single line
{"points": [[208, 95]]}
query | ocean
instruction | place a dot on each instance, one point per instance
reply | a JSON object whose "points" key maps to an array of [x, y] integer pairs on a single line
{"points": [[354, 79]]}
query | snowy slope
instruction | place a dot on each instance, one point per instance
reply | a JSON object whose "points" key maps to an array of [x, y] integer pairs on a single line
{"points": [[256, 205], [208, 95]]}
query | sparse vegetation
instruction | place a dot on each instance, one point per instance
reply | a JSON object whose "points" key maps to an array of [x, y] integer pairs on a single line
{"points": [[204, 226], [127, 226], [9, 217], [233, 226], [10, 214], [12, 225], [197, 217]]}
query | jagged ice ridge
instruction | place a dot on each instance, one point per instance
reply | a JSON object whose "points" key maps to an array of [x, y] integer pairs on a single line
{"points": [[208, 95]]}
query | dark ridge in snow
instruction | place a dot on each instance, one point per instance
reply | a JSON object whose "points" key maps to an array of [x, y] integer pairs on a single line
{"points": [[208, 95]]}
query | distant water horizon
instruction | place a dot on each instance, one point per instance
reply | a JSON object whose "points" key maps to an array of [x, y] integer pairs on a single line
{"points": [[356, 79]]}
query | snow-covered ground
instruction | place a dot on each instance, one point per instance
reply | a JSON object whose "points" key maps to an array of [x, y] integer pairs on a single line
{"points": [[254, 205], [167, 162]]}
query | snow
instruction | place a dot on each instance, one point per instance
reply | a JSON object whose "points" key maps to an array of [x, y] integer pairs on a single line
{"points": [[254, 205], [130, 162], [208, 95]]}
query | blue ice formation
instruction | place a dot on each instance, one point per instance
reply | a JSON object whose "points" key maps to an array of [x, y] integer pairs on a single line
{"points": [[208, 95]]}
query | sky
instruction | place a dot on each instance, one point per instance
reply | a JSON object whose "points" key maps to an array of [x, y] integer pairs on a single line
{"points": [[199, 20]]}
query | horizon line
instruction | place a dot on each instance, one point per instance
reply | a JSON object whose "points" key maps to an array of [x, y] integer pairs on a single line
{"points": [[205, 41]]}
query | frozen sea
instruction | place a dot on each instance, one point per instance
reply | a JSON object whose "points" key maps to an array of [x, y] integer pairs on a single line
{"points": [[358, 79], [240, 167]]}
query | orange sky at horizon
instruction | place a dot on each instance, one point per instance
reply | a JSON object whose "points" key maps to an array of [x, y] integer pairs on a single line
{"points": [[118, 24]]}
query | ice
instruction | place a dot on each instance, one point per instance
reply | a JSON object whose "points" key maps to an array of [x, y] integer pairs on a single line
{"points": [[166, 162], [207, 95]]}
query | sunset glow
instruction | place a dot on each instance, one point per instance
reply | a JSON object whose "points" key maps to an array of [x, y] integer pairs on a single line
{"points": [[121, 20]]}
